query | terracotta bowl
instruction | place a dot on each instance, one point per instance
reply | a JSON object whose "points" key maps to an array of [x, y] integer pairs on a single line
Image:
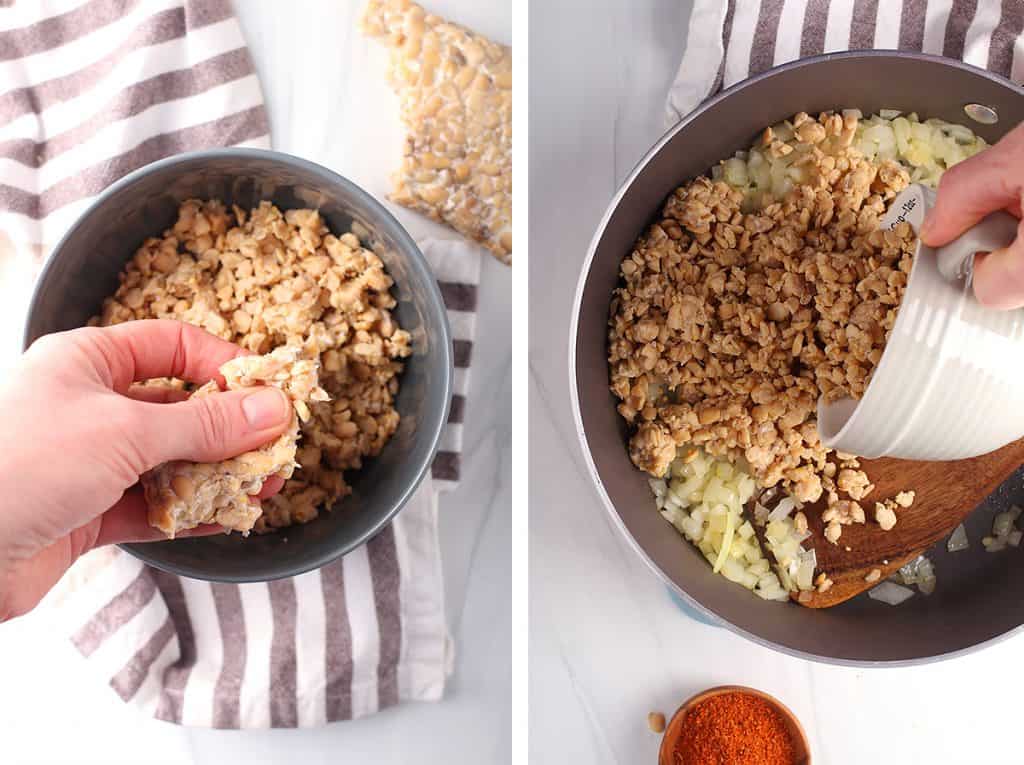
{"points": [[801, 748]]}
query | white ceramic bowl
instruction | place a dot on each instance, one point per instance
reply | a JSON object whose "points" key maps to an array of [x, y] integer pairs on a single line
{"points": [[950, 383]]}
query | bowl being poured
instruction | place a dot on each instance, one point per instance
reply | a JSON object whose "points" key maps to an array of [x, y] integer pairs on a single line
{"points": [[949, 383]]}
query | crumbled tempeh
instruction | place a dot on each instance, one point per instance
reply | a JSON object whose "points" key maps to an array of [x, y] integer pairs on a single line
{"points": [[456, 100], [266, 278], [730, 324], [844, 512], [885, 515], [800, 522], [833, 531], [855, 483], [885, 511], [182, 495], [904, 498]]}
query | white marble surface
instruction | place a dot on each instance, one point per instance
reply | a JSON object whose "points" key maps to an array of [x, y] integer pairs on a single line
{"points": [[606, 644], [318, 74]]}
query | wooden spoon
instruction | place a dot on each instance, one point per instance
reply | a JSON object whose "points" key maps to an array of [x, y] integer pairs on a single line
{"points": [[945, 494]]}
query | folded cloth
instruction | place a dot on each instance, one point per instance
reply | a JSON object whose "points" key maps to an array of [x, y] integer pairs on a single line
{"points": [[91, 90], [354, 637], [731, 40]]}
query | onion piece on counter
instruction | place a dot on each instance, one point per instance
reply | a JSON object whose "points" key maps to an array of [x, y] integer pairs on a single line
{"points": [[958, 540], [890, 593], [805, 574]]}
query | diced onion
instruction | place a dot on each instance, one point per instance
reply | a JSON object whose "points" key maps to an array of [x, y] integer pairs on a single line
{"points": [[704, 499], [730, 527], [958, 540], [890, 593], [926, 149], [1002, 524], [760, 514], [735, 172], [1004, 531], [993, 545], [783, 509]]}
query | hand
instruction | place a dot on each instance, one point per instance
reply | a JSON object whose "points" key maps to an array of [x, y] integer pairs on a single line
{"points": [[990, 180], [76, 434]]}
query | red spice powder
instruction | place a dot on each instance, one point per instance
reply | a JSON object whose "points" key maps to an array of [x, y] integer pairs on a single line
{"points": [[734, 729]]}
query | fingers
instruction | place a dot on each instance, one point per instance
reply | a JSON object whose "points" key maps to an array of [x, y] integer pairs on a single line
{"points": [[999, 275], [127, 521], [271, 486], [156, 394], [143, 350], [208, 428], [970, 190]]}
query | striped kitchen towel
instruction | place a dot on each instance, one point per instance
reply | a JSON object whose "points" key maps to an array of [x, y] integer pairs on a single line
{"points": [[91, 90], [354, 637], [729, 40]]}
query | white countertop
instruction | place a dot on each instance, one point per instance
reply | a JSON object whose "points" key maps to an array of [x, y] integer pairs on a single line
{"points": [[607, 645], [313, 65]]}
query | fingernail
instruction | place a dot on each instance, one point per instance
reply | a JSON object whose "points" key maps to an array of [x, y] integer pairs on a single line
{"points": [[265, 408], [926, 227]]}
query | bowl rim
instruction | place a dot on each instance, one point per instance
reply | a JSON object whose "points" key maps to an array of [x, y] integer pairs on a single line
{"points": [[408, 248], [585, 267], [720, 690]]}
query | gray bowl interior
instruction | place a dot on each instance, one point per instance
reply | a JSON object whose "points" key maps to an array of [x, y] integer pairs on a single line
{"points": [[980, 596], [84, 269]]}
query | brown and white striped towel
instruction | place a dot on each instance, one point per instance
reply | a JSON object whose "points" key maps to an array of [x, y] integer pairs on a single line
{"points": [[90, 90], [354, 637], [729, 40]]}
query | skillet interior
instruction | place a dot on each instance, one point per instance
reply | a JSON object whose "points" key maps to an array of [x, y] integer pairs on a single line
{"points": [[979, 596]]}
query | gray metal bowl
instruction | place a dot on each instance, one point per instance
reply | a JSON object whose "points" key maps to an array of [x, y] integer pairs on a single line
{"points": [[83, 270], [980, 597]]}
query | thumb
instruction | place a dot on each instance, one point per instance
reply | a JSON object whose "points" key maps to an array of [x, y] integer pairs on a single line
{"points": [[999, 275], [212, 428]]}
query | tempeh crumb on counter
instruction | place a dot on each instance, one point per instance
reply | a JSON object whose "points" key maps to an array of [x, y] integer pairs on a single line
{"points": [[656, 722]]}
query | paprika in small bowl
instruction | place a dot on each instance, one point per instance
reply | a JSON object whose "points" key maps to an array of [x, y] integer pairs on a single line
{"points": [[734, 724]]}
